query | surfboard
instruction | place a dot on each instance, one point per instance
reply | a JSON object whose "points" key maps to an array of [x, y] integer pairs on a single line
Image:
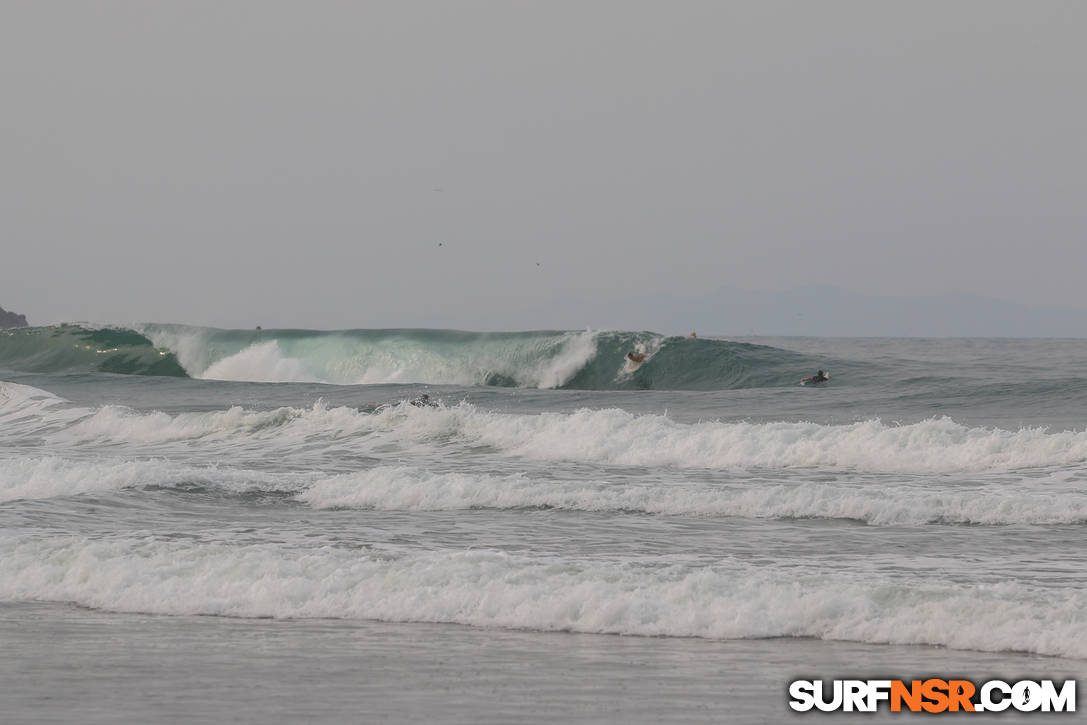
{"points": [[647, 351]]}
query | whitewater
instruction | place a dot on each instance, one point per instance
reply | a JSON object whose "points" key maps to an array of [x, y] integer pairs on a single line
{"points": [[548, 524]]}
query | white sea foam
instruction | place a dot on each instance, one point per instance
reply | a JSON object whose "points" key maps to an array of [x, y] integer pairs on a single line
{"points": [[117, 424], [1044, 501], [1047, 500], [649, 348], [261, 363], [611, 436], [491, 589], [618, 437], [614, 436], [189, 344], [576, 352], [52, 477], [30, 411], [548, 360], [24, 401]]}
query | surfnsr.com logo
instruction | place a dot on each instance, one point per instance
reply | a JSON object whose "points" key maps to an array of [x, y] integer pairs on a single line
{"points": [[932, 695]]}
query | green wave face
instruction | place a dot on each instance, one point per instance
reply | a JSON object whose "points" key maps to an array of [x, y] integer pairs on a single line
{"points": [[535, 359], [680, 363], [70, 348]]}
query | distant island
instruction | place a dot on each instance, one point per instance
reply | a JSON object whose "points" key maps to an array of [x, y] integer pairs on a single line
{"points": [[11, 319]]}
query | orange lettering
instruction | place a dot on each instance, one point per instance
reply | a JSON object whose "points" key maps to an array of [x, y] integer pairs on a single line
{"points": [[911, 695], [935, 691], [959, 694]]}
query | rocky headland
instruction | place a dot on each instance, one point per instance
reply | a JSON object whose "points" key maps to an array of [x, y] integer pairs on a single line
{"points": [[11, 319]]}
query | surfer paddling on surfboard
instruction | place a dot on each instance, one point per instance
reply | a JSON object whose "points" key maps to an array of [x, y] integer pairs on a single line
{"points": [[819, 377]]}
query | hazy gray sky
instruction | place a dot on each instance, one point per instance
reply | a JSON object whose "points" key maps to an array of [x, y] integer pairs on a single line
{"points": [[235, 163]]}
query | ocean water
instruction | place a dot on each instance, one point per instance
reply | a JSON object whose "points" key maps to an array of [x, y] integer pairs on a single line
{"points": [[260, 526]]}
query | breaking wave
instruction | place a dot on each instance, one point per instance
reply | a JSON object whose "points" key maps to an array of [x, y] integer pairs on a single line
{"points": [[44, 477], [403, 458], [73, 348], [602, 437], [538, 359], [729, 599], [1053, 499]]}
